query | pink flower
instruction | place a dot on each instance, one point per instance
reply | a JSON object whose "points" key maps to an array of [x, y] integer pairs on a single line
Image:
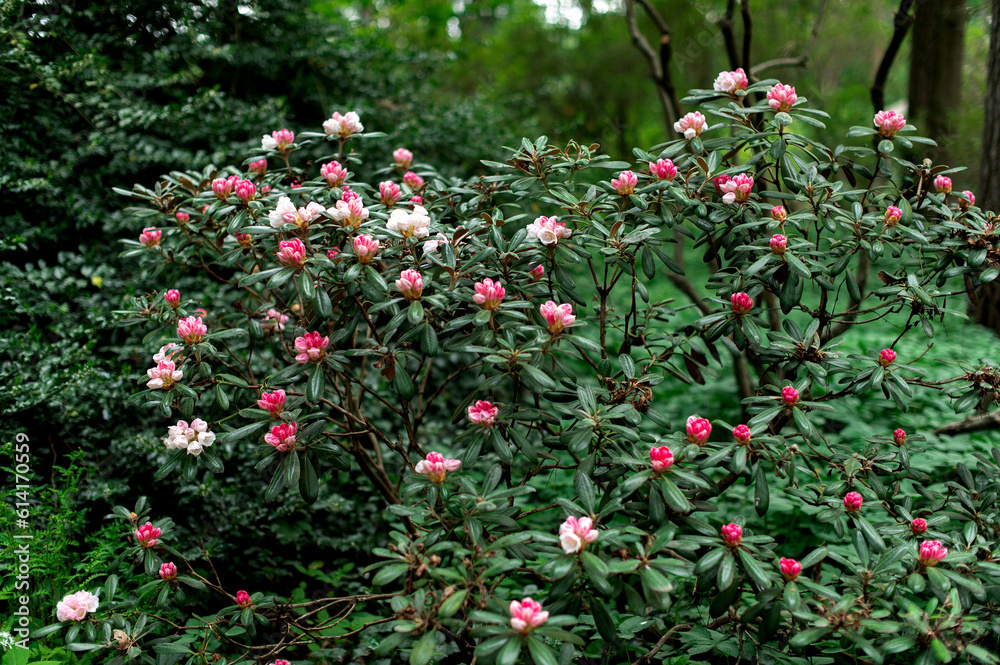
{"points": [[410, 284], [147, 535], [343, 126], [365, 248], [173, 297], [191, 329], [741, 303], [347, 194], [350, 212], [718, 182], [698, 429], [790, 568], [402, 157], [244, 240], [389, 193], [732, 534], [291, 253], [167, 352], [558, 317], [223, 187], [333, 173], [282, 436], [182, 217], [852, 502], [193, 438], [281, 662], [730, 82], [663, 169], [436, 466], [311, 347], [413, 181], [779, 243], [932, 552], [483, 413], [273, 402], [886, 357], [741, 434], [332, 254], [889, 123], [168, 571], [790, 396], [548, 230], [575, 534], [76, 606], [737, 189], [245, 190], [278, 140], [489, 294], [892, 216], [899, 436], [150, 237], [918, 526], [526, 615], [259, 167], [691, 125], [243, 599], [660, 458], [537, 272], [969, 200], [625, 183], [942, 184], [275, 319], [164, 375], [779, 214], [781, 98], [413, 224], [416, 200]]}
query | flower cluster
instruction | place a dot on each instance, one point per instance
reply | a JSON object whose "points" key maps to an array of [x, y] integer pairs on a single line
{"points": [[76, 606], [483, 413], [436, 466], [282, 436], [147, 535], [191, 329], [193, 438], [311, 347], [691, 125], [575, 534], [781, 98], [660, 458], [278, 140], [413, 224], [489, 294], [698, 430], [548, 230], [526, 614], [343, 126], [557, 317]]}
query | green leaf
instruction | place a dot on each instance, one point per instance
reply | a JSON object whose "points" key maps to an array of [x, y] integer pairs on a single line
{"points": [[415, 312], [603, 621], [761, 493], [809, 636], [585, 490], [314, 388], [540, 653], [754, 570], [673, 496], [308, 481], [452, 603], [628, 365], [424, 649], [510, 651]]}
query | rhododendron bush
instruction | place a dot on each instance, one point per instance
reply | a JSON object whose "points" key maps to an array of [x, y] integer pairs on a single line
{"points": [[460, 347]]}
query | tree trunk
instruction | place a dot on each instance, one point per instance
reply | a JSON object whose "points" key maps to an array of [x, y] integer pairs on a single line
{"points": [[938, 47]]}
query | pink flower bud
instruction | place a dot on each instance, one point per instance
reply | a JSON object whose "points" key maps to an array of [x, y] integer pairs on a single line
{"points": [[691, 125], [389, 193], [558, 317], [292, 253], [350, 210], [625, 183], [343, 126], [283, 138], [969, 200], [698, 429], [718, 182], [918, 526], [892, 216], [932, 552], [223, 187], [273, 402], [741, 433], [416, 200], [436, 466], [483, 413], [164, 375], [730, 82], [282, 436], [410, 284], [781, 98], [191, 329], [790, 568], [889, 123], [182, 217], [150, 237], [243, 239], [173, 297], [663, 169], [660, 458], [737, 189], [779, 214], [790, 396], [168, 571], [537, 272], [147, 535], [741, 303], [852, 502], [942, 184], [899, 436], [526, 615], [886, 357], [779, 243], [413, 181], [245, 190], [332, 254], [732, 534], [311, 347], [489, 294], [575, 534], [548, 230], [259, 167], [402, 157], [333, 173], [348, 194], [243, 599], [275, 319], [365, 248]]}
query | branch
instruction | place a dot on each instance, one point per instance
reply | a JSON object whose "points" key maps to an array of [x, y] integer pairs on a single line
{"points": [[659, 64], [747, 32], [726, 26], [800, 61], [901, 21], [972, 424]]}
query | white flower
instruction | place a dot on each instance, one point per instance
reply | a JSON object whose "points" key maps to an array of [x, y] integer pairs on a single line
{"points": [[268, 142], [571, 543], [283, 214], [548, 230], [414, 224], [311, 212], [193, 438], [433, 244]]}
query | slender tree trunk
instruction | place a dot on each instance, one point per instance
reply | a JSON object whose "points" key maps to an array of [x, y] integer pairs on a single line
{"points": [[936, 70]]}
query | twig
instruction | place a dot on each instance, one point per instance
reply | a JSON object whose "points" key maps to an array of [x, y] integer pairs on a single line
{"points": [[659, 64], [972, 424], [901, 22]]}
